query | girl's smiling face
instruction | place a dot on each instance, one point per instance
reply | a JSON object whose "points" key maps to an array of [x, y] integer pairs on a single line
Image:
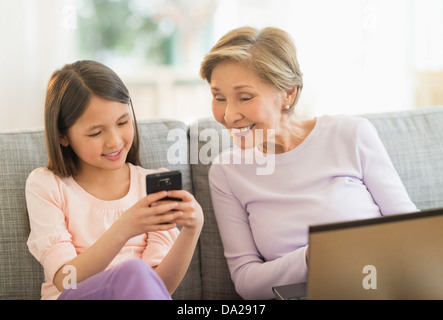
{"points": [[244, 103], [102, 136]]}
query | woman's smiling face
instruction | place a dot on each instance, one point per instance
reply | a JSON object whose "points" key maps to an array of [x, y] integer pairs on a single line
{"points": [[244, 103]]}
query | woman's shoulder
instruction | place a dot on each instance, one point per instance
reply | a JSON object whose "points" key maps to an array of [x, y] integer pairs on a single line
{"points": [[343, 119], [348, 130], [344, 123]]}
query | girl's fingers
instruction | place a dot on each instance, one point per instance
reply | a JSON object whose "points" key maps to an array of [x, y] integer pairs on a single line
{"points": [[151, 198], [181, 194], [160, 207], [168, 213], [168, 218]]}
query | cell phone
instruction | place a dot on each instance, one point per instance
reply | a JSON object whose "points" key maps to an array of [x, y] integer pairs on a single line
{"points": [[169, 180]]}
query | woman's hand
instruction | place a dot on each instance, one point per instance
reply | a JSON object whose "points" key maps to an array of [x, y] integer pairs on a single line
{"points": [[150, 214]]}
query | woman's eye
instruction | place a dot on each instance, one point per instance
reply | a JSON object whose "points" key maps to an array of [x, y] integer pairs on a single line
{"points": [[218, 98], [123, 123]]}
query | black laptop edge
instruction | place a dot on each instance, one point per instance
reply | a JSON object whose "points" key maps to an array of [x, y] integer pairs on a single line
{"points": [[377, 220]]}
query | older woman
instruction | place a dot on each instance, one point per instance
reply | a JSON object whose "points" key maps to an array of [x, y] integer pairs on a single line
{"points": [[327, 169]]}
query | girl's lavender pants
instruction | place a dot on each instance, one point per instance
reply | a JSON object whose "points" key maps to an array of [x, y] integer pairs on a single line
{"points": [[130, 280]]}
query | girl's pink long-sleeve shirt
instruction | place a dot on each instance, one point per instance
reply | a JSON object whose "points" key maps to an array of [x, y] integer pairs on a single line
{"points": [[65, 220]]}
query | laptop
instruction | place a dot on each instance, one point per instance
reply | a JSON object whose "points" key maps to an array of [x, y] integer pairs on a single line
{"points": [[393, 257]]}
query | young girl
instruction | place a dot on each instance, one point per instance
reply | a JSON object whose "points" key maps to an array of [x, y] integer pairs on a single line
{"points": [[93, 229]]}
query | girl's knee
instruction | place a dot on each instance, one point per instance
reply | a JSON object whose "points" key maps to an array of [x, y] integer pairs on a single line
{"points": [[130, 280], [136, 279], [135, 267]]}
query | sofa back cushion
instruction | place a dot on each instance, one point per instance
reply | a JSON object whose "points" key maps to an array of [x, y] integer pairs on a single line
{"points": [[164, 144], [206, 140], [414, 141], [21, 275], [22, 151]]}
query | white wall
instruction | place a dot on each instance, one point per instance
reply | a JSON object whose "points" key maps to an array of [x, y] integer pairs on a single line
{"points": [[357, 56], [35, 40]]}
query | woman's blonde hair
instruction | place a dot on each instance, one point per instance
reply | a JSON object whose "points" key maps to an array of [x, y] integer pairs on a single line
{"points": [[270, 52]]}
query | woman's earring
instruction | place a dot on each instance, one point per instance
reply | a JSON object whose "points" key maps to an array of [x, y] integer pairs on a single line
{"points": [[288, 107]]}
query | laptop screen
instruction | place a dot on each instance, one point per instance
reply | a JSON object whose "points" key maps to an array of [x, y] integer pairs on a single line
{"points": [[394, 257]]}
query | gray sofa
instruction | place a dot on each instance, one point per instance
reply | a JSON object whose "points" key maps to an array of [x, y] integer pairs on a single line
{"points": [[414, 140]]}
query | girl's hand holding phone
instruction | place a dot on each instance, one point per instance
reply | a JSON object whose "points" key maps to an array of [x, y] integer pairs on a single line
{"points": [[192, 217], [150, 214]]}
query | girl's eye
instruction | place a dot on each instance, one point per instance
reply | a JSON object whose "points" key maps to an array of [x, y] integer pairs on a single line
{"points": [[94, 134], [123, 123]]}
